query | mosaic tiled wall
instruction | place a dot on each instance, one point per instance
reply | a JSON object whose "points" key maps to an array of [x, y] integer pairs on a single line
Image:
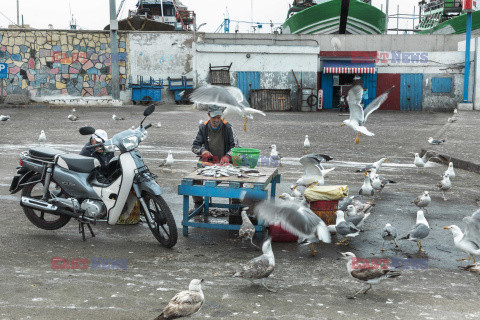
{"points": [[51, 62]]}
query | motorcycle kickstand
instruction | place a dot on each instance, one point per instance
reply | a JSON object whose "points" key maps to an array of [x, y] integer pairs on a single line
{"points": [[81, 229]]}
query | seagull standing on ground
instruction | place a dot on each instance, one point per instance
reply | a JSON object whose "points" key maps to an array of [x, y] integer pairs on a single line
{"points": [[359, 116], [230, 97], [368, 275], [346, 229], [274, 155], [450, 171], [260, 267], [357, 218], [247, 230], [468, 242], [423, 200], [42, 137], [445, 184], [117, 118], [389, 233], [421, 162], [4, 118], [379, 182], [184, 303], [297, 219], [314, 171], [73, 117], [420, 231], [342, 204], [366, 189], [435, 141], [306, 144], [168, 162]]}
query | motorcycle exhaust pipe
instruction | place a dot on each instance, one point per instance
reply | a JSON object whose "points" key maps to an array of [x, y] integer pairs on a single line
{"points": [[50, 208]]}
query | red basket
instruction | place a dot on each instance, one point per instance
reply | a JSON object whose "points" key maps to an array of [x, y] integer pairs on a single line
{"points": [[278, 234], [326, 210]]}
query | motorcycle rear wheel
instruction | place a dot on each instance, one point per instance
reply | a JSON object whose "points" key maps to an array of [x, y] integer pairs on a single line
{"points": [[42, 219], [163, 224]]}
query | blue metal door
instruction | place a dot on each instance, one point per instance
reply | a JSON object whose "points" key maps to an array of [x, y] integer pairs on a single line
{"points": [[411, 92], [248, 80], [327, 87], [369, 82]]}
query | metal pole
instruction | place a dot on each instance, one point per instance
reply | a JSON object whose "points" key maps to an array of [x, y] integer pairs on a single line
{"points": [[467, 57], [114, 68], [18, 12], [386, 18], [413, 20]]}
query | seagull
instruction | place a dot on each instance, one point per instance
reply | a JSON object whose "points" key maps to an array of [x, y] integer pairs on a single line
{"points": [[297, 219], [445, 184], [450, 171], [185, 303], [158, 124], [72, 117], [357, 218], [422, 201], [472, 268], [361, 207], [42, 137], [4, 118], [295, 192], [372, 274], [452, 120], [345, 229], [420, 231], [260, 267], [306, 144], [374, 166], [230, 97], [359, 116], [274, 155], [342, 204], [314, 171], [468, 242], [117, 118], [366, 189], [435, 141], [421, 162], [301, 199], [168, 161], [247, 230], [378, 182], [389, 233]]}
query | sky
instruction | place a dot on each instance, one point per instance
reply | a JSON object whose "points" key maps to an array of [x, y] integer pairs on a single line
{"points": [[95, 14]]}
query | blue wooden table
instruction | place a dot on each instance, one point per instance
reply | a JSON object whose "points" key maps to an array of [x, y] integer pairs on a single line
{"points": [[224, 187]]}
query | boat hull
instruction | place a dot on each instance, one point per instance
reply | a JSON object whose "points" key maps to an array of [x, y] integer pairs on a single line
{"points": [[324, 18], [457, 25]]}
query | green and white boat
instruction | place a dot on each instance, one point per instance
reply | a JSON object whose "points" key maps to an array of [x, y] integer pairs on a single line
{"points": [[323, 17], [445, 17]]}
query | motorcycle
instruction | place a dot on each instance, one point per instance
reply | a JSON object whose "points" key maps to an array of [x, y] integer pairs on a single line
{"points": [[57, 186]]}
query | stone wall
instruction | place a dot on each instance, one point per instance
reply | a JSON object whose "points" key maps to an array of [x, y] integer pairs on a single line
{"points": [[54, 62]]}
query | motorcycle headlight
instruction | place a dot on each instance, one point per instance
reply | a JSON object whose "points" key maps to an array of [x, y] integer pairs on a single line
{"points": [[143, 135], [130, 143]]}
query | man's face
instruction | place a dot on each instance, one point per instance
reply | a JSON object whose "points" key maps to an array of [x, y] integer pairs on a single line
{"points": [[215, 121], [98, 149]]}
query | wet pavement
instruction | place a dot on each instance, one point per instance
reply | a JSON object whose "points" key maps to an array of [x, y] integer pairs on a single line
{"points": [[308, 288]]}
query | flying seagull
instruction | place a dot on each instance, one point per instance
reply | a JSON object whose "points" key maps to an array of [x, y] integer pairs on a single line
{"points": [[184, 303], [373, 166], [359, 116], [435, 141], [247, 230], [295, 218], [306, 144], [389, 233], [422, 201], [445, 184], [344, 228], [368, 275], [117, 118], [260, 267], [230, 97], [468, 242], [314, 171], [42, 137], [419, 232]]}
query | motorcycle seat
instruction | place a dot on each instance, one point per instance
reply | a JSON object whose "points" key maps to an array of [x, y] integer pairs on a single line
{"points": [[44, 153], [78, 163]]}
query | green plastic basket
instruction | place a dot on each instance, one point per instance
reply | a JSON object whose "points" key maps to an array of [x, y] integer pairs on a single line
{"points": [[245, 157]]}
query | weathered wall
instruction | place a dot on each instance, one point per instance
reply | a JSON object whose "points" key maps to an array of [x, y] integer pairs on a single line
{"points": [[52, 62]]}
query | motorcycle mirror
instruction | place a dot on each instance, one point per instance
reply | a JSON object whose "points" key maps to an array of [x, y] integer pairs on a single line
{"points": [[84, 131], [149, 110]]}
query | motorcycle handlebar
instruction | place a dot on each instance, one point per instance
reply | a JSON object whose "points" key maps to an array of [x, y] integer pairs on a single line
{"points": [[93, 146], [148, 126]]}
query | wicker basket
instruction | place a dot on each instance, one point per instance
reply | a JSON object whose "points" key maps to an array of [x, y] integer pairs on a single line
{"points": [[326, 210]]}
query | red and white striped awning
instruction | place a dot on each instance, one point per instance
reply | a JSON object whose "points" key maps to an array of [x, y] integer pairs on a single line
{"points": [[348, 67]]}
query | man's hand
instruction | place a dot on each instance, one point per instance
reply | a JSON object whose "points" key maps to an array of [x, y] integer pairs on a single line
{"points": [[206, 155], [225, 160]]}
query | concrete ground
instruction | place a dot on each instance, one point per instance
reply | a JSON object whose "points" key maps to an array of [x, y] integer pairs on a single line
{"points": [[308, 287]]}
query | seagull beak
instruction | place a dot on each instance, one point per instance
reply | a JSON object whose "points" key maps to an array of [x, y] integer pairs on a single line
{"points": [[342, 124], [448, 228], [294, 187], [386, 159], [281, 196]]}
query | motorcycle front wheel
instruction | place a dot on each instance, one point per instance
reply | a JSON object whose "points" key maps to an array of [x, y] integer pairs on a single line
{"points": [[160, 220], [42, 219]]}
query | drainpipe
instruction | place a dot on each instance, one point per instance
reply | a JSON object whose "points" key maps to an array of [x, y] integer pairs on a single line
{"points": [[467, 57]]}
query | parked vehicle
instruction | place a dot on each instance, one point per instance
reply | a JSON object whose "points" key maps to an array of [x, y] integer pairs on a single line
{"points": [[57, 186]]}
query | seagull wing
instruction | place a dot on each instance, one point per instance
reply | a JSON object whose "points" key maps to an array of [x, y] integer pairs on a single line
{"points": [[375, 104], [215, 95], [354, 98], [428, 155], [419, 231], [294, 218], [238, 95], [183, 304], [312, 166], [257, 268], [368, 274], [472, 229]]}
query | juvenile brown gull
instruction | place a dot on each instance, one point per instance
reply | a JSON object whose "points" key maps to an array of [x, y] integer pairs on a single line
{"points": [[423, 200], [184, 303], [247, 229], [444, 185], [389, 233]]}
